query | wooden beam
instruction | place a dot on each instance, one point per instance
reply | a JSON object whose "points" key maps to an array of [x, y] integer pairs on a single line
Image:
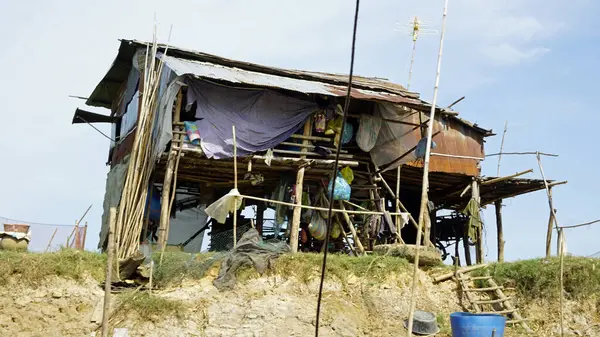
{"points": [[294, 230], [495, 180]]}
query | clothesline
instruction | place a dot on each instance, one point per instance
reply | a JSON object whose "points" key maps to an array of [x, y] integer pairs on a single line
{"points": [[2, 218], [316, 208]]}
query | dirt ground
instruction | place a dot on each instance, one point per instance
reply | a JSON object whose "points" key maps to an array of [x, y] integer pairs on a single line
{"points": [[266, 306]]}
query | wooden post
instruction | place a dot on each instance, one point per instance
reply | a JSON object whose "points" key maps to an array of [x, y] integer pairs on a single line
{"points": [[498, 204], [479, 253], [294, 230], [260, 217], [561, 251], [84, 236], [550, 225], [166, 188], [235, 185], [297, 211], [467, 246], [107, 281]]}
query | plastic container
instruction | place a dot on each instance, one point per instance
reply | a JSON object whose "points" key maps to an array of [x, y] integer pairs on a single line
{"points": [[477, 325]]}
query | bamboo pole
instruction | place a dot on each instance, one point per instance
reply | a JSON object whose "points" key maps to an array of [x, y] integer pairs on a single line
{"points": [[549, 231], [357, 242], [425, 186], [50, 242], [479, 253], [167, 182], [289, 204], [107, 281], [496, 180], [500, 236], [235, 185], [549, 194], [562, 286]]}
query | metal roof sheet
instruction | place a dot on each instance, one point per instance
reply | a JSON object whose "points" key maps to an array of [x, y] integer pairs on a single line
{"points": [[218, 68]]}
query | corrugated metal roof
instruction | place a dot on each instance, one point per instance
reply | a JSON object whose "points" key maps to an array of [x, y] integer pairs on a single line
{"points": [[230, 74], [219, 68]]}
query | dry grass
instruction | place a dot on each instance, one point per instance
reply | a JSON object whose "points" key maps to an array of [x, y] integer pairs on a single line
{"points": [[32, 269], [150, 307]]}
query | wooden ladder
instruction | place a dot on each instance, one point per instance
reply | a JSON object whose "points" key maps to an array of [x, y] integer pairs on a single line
{"points": [[496, 301]]}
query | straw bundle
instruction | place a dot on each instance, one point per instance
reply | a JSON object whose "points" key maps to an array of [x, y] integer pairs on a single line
{"points": [[130, 217]]}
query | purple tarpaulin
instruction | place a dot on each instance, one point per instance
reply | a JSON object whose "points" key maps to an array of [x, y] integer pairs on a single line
{"points": [[263, 118]]}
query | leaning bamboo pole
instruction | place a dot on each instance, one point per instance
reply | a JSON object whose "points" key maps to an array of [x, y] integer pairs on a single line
{"points": [[130, 218], [425, 187]]}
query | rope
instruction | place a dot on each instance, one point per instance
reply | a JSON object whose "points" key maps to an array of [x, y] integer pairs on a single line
{"points": [[334, 170], [34, 223]]}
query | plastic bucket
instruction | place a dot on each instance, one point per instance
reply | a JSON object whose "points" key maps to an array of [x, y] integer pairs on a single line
{"points": [[476, 325]]}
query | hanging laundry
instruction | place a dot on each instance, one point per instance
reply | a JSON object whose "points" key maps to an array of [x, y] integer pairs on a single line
{"points": [[320, 121], [192, 133], [368, 131]]}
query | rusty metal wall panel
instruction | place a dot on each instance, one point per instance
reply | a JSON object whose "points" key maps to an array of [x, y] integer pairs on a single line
{"points": [[455, 139]]}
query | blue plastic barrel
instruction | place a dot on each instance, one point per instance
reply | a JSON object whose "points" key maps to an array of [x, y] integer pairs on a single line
{"points": [[465, 324]]}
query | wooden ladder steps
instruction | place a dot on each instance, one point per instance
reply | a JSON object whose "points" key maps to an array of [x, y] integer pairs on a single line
{"points": [[499, 300], [501, 312], [485, 289], [475, 278]]}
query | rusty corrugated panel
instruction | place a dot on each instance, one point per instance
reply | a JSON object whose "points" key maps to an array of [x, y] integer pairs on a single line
{"points": [[455, 139]]}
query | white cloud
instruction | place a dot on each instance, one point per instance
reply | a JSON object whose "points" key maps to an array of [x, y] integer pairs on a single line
{"points": [[506, 54]]}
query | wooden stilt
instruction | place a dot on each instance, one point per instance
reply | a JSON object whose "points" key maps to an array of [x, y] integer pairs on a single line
{"points": [[467, 246], [168, 180], [235, 185], [479, 254], [108, 278], [297, 211], [260, 216], [295, 228], [550, 225], [498, 205]]}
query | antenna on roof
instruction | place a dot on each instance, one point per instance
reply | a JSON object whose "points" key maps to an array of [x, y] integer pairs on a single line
{"points": [[415, 28]]}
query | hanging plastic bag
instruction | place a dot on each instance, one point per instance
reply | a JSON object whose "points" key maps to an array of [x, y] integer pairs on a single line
{"points": [[336, 230], [342, 188], [219, 209], [421, 146], [334, 126], [348, 133], [348, 174], [368, 131], [318, 227]]}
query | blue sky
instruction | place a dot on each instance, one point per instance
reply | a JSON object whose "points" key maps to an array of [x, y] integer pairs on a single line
{"points": [[531, 62]]}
